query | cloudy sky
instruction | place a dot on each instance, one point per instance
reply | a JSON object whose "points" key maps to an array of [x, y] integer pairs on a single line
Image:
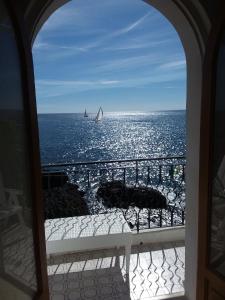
{"points": [[122, 55]]}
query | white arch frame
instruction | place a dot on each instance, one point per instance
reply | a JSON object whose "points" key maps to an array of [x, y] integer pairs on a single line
{"points": [[193, 26], [193, 35]]}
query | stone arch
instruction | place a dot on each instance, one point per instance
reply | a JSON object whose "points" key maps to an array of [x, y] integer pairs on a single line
{"points": [[192, 25]]}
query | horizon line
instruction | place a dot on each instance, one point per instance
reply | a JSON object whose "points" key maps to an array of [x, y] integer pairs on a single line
{"points": [[109, 112]]}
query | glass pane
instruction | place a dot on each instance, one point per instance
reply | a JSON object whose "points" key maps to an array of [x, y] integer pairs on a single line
{"points": [[17, 261], [217, 245]]}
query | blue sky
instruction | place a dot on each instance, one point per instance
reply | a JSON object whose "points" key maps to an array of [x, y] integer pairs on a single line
{"points": [[122, 55]]}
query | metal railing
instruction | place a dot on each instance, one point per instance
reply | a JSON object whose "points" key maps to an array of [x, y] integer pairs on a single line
{"points": [[164, 174]]}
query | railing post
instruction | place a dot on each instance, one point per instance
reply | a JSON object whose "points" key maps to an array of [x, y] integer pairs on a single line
{"points": [[160, 174], [183, 216], [171, 172], [138, 221], [160, 218], [183, 173], [136, 172], [124, 175], [171, 220], [49, 181], [88, 173], [148, 176], [149, 218]]}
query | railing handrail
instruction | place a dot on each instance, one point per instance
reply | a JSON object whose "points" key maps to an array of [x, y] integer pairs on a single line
{"points": [[111, 161], [158, 173]]}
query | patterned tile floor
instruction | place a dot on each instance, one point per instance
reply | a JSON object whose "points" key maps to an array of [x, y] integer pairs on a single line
{"points": [[155, 270], [17, 255]]}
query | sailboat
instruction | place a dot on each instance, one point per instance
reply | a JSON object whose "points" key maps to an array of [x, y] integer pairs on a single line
{"points": [[99, 115], [85, 114]]}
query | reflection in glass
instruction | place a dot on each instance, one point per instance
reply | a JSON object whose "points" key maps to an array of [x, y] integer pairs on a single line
{"points": [[217, 245], [17, 262]]}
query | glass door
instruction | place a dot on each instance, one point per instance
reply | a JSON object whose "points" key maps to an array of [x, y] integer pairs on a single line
{"points": [[217, 197], [211, 260], [22, 262]]}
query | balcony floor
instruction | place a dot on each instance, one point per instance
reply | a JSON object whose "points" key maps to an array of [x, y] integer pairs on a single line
{"points": [[155, 270]]}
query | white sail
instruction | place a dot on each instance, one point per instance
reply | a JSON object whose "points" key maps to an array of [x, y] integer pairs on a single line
{"points": [[85, 113], [99, 115]]}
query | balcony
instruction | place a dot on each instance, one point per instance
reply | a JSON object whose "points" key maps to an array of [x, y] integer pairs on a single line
{"points": [[156, 271], [157, 258]]}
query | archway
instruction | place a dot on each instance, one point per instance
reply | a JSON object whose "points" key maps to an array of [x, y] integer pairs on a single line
{"points": [[192, 26], [192, 32]]}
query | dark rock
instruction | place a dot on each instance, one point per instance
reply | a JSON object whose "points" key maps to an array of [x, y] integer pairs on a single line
{"points": [[117, 194], [113, 194], [54, 179], [64, 201]]}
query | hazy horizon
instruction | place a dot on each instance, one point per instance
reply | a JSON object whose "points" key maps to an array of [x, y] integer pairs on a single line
{"points": [[115, 112]]}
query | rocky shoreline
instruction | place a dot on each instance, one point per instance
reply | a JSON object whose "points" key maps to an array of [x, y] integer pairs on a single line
{"points": [[117, 194], [65, 201]]}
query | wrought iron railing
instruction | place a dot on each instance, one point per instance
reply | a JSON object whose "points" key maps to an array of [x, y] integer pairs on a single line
{"points": [[165, 175]]}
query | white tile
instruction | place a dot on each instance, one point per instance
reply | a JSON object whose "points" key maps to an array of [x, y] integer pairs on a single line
{"points": [[154, 270]]}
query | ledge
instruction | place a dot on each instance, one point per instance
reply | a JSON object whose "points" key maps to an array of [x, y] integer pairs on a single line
{"points": [[159, 235], [176, 296]]}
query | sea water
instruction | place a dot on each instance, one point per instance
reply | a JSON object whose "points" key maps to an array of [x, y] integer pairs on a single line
{"points": [[68, 138], [119, 135]]}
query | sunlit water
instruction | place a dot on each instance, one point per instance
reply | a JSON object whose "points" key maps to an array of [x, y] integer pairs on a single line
{"points": [[72, 138]]}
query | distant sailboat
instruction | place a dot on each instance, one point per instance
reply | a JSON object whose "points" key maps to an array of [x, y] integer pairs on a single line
{"points": [[85, 114], [99, 115]]}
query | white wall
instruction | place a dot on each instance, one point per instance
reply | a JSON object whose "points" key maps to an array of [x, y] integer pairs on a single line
{"points": [[191, 32]]}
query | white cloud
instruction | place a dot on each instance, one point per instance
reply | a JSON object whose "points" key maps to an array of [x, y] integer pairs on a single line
{"points": [[40, 46], [51, 52], [123, 30], [52, 88], [75, 83], [126, 64], [62, 17], [131, 26], [135, 44], [177, 64], [108, 82], [116, 33], [78, 16], [75, 48]]}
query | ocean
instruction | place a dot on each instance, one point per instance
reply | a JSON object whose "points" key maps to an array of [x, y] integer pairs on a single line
{"points": [[66, 138]]}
